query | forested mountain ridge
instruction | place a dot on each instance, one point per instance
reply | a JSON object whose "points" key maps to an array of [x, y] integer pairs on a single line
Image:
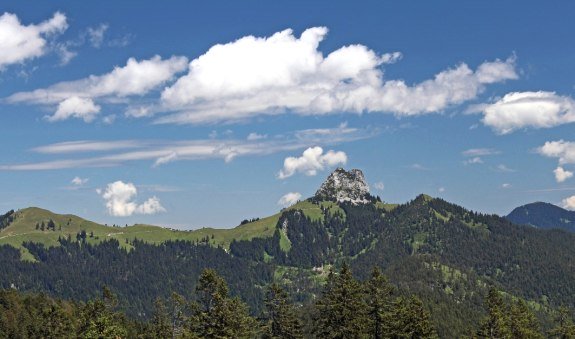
{"points": [[543, 215], [445, 254]]}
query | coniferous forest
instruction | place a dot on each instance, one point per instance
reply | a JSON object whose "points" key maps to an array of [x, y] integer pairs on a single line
{"points": [[423, 269]]}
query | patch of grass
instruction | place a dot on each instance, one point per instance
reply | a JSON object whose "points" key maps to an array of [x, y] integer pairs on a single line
{"points": [[385, 206]]}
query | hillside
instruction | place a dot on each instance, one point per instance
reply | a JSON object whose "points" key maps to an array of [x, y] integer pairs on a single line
{"points": [[543, 215], [445, 254], [22, 228]]}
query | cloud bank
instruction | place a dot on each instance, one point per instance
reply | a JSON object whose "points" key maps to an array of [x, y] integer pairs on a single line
{"points": [[283, 73]]}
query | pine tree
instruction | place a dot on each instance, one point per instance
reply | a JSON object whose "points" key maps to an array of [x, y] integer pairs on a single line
{"points": [[495, 325], [565, 328], [280, 316], [410, 319], [379, 301], [160, 323], [99, 320], [217, 315], [341, 309], [523, 323]]}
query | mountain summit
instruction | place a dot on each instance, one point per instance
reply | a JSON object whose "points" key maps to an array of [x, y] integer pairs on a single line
{"points": [[342, 186]]}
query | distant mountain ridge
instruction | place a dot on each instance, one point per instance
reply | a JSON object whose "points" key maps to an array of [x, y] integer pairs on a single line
{"points": [[543, 215]]}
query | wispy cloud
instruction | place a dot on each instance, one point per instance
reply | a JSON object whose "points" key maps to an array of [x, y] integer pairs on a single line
{"points": [[116, 153]]}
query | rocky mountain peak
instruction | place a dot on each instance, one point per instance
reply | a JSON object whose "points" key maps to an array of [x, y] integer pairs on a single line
{"points": [[342, 185]]}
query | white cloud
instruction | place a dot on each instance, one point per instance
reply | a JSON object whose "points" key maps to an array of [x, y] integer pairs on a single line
{"points": [[283, 73], [77, 181], [120, 152], [96, 35], [379, 186], [170, 157], [256, 136], [311, 161], [19, 43], [119, 197], [441, 189], [569, 203], [289, 199], [473, 161], [505, 185], [75, 107], [476, 152], [561, 174], [528, 109], [135, 78], [563, 150], [504, 168]]}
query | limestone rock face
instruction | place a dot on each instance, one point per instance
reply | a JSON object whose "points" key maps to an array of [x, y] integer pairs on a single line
{"points": [[342, 185]]}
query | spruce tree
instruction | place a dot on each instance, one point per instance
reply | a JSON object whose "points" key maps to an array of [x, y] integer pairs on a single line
{"points": [[378, 295], [409, 319], [216, 314], [280, 316], [523, 324], [341, 308], [495, 324], [565, 329]]}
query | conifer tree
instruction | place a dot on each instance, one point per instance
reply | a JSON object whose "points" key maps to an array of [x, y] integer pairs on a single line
{"points": [[495, 324], [160, 323], [281, 320], [379, 301], [410, 319], [341, 309], [217, 315], [523, 324], [565, 329]]}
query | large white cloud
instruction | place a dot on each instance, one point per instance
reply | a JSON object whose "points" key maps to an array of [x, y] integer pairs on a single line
{"points": [[119, 197], [19, 43], [562, 150], [569, 203], [311, 161], [135, 78], [282, 73], [528, 109], [289, 199]]}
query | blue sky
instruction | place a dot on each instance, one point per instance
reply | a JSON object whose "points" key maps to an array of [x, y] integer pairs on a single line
{"points": [[203, 114]]}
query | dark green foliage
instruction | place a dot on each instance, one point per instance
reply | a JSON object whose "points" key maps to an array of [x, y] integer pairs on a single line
{"points": [[6, 219], [216, 315], [565, 328], [280, 319], [341, 310], [78, 270], [379, 305]]}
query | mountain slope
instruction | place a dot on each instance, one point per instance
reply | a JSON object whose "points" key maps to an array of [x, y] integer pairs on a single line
{"points": [[444, 253], [543, 215]]}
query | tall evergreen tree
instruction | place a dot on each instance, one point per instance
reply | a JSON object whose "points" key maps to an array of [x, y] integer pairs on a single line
{"points": [[565, 328], [98, 318], [280, 316], [379, 292], [523, 324], [217, 315], [410, 319], [160, 323], [495, 324], [341, 308]]}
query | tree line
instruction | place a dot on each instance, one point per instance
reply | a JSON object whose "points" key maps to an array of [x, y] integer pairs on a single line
{"points": [[346, 308]]}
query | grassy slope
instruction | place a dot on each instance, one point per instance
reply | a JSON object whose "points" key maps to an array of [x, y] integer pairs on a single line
{"points": [[23, 229]]}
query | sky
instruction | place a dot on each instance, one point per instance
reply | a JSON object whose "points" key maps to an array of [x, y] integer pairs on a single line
{"points": [[190, 114]]}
